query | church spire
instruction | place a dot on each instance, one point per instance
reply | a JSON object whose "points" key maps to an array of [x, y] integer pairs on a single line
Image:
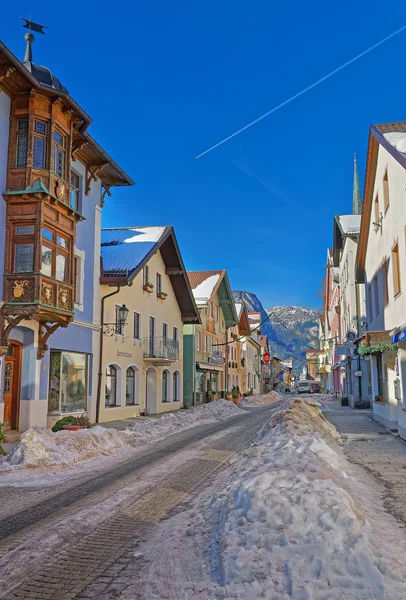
{"points": [[356, 192]]}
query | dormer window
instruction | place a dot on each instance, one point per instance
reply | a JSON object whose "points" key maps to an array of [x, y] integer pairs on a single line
{"points": [[22, 142], [59, 154], [39, 145]]}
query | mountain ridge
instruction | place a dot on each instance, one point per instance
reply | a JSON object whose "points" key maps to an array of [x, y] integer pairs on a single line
{"points": [[291, 330]]}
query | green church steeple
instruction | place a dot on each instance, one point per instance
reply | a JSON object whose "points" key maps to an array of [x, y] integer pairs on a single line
{"points": [[356, 192]]}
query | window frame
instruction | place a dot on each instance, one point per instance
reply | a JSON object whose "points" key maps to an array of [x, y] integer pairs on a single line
{"points": [[56, 249], [23, 134], [55, 391], [165, 388], [176, 386], [205, 343], [115, 377], [145, 275], [376, 294], [165, 330], [385, 282], [397, 281], [376, 208], [175, 334], [22, 239], [76, 191], [119, 328], [158, 279], [386, 196], [134, 378], [57, 147], [42, 137], [135, 337], [198, 340]]}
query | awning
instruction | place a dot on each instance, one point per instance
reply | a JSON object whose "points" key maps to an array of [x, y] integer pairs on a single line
{"points": [[398, 334], [208, 367]]}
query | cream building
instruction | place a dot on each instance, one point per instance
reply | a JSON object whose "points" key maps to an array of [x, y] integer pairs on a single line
{"points": [[142, 359]]}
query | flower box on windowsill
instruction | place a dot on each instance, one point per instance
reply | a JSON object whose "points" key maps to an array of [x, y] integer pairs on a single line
{"points": [[380, 399], [162, 295], [148, 287]]}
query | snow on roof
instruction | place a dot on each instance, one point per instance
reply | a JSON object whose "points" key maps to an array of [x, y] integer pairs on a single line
{"points": [[350, 224], [238, 308], [397, 139], [202, 293], [124, 249]]}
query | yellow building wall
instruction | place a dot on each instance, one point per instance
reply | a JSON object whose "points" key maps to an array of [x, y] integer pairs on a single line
{"points": [[125, 351]]}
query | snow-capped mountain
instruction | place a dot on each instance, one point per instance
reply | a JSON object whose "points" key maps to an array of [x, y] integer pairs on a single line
{"points": [[291, 330]]}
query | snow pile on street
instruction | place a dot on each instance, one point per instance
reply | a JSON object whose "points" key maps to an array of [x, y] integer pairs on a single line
{"points": [[293, 522], [42, 447], [149, 429], [261, 400]]}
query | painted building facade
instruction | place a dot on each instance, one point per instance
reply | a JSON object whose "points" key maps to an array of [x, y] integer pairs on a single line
{"points": [[381, 267], [206, 372], [142, 359], [49, 245]]}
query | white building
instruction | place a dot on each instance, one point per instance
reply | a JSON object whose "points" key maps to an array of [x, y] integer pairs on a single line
{"points": [[381, 266]]}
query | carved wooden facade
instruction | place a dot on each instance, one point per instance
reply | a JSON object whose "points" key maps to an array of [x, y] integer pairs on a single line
{"points": [[40, 224]]}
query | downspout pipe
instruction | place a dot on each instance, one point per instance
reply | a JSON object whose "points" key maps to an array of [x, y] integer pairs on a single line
{"points": [[100, 373]]}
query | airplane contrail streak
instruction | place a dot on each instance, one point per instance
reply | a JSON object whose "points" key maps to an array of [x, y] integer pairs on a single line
{"points": [[306, 89]]}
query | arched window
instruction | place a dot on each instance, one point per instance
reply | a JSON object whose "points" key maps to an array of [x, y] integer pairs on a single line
{"points": [[165, 388], [176, 387], [249, 381], [130, 387], [110, 398]]}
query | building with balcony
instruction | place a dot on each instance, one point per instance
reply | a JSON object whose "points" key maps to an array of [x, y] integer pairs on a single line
{"points": [[146, 301], [207, 355], [53, 177]]}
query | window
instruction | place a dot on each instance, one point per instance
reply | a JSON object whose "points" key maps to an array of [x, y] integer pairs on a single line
{"points": [[23, 249], [165, 331], [79, 277], [216, 313], [176, 387], [197, 340], [151, 336], [158, 283], [165, 390], [145, 275], [119, 324], [376, 290], [211, 310], [76, 278], [22, 142], [396, 270], [385, 285], [68, 377], [110, 398], [175, 334], [59, 154], [74, 191], [385, 191], [130, 387], [137, 326], [39, 144], [205, 343], [55, 254], [210, 345], [369, 307], [376, 209]]}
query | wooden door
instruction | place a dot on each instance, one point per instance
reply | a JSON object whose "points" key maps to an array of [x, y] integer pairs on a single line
{"points": [[11, 386]]}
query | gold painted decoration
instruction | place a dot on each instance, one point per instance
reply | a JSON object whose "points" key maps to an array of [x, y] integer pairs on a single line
{"points": [[64, 298], [18, 289], [46, 293], [60, 189]]}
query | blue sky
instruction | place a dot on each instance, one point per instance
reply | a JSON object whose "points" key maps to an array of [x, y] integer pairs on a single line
{"points": [[164, 81]]}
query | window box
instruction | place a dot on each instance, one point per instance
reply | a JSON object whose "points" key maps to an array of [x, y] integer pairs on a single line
{"points": [[73, 427], [148, 287], [380, 399], [162, 295]]}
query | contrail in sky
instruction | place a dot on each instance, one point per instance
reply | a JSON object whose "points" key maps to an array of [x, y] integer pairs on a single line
{"points": [[309, 87]]}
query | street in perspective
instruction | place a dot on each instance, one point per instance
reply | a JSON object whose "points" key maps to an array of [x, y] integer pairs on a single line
{"points": [[186, 412]]}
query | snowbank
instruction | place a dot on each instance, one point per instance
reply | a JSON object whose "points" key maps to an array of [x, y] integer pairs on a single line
{"points": [[294, 523], [261, 400], [43, 448], [148, 429]]}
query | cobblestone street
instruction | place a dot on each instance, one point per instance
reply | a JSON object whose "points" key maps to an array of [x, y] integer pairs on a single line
{"points": [[56, 548]]}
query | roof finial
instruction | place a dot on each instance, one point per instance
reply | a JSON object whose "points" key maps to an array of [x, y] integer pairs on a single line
{"points": [[356, 192], [29, 38]]}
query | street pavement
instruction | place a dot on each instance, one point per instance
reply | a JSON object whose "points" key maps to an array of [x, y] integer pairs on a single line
{"points": [[57, 545]]}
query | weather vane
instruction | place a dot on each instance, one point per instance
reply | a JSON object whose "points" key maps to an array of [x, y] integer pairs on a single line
{"points": [[33, 26]]}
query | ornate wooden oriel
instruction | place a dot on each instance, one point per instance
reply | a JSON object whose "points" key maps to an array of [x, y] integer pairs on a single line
{"points": [[40, 224]]}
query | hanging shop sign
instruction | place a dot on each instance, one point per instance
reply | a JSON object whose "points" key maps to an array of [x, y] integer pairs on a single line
{"points": [[216, 358], [358, 373], [399, 336], [267, 357], [351, 335]]}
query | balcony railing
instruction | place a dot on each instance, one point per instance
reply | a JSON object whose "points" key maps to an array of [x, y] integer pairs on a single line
{"points": [[161, 348]]}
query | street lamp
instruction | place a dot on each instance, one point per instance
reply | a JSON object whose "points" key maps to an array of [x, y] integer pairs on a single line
{"points": [[116, 328]]}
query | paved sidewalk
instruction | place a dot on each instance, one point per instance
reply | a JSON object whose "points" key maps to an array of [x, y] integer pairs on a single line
{"points": [[381, 453]]}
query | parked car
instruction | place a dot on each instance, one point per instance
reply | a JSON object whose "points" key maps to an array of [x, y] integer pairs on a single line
{"points": [[303, 387]]}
